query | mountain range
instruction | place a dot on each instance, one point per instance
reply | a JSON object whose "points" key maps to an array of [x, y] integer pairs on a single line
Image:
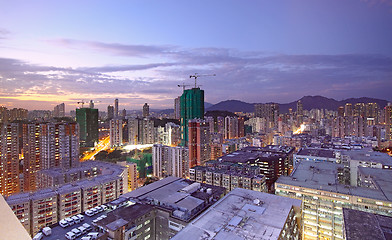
{"points": [[308, 102]]}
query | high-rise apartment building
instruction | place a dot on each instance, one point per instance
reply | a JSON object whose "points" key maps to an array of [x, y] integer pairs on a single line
{"points": [[198, 142], [59, 145], [132, 176], [170, 161], [116, 132], [269, 111], [141, 131], [88, 125], [388, 121], [177, 108], [26, 148], [146, 110], [300, 112], [348, 110], [9, 159], [116, 108], [59, 110], [231, 127], [110, 112], [192, 106]]}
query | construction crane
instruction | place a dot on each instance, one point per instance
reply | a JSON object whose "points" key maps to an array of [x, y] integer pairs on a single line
{"points": [[200, 75], [81, 102], [91, 103], [183, 85]]}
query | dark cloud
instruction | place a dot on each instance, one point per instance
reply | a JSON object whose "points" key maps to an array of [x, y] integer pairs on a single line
{"points": [[116, 48], [247, 76]]}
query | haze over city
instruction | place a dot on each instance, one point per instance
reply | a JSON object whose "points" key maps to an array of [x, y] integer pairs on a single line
{"points": [[260, 51]]}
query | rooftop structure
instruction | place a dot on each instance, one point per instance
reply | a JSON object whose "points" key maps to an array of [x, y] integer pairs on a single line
{"points": [[358, 224], [246, 214], [160, 209], [272, 160], [319, 185], [10, 226]]}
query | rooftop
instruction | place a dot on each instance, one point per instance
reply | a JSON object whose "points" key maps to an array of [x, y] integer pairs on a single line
{"points": [[368, 155], [324, 176], [358, 224], [317, 152], [174, 194], [241, 214]]}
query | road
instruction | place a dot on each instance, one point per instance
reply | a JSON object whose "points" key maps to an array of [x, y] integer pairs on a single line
{"points": [[103, 144]]}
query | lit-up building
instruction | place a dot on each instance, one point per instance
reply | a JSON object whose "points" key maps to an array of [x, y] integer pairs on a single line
{"points": [[116, 132], [192, 106], [88, 124], [320, 187], [198, 142]]}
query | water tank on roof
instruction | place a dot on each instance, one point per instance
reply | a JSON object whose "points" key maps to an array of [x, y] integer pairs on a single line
{"points": [[209, 191]]}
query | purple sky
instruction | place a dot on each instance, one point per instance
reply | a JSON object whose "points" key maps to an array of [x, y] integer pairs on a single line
{"points": [[139, 51]]}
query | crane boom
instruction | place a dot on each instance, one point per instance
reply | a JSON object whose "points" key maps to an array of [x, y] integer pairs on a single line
{"points": [[200, 75]]}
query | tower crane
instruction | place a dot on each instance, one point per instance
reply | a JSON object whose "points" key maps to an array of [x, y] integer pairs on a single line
{"points": [[183, 85], [91, 103], [200, 75], [81, 102]]}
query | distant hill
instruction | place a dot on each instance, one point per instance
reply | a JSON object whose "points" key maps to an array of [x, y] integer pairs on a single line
{"points": [[216, 113], [207, 105], [308, 102], [232, 106]]}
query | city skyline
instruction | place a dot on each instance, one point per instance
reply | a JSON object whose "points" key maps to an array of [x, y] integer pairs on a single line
{"points": [[53, 52]]}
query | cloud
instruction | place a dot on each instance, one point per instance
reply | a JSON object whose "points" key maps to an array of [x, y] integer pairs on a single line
{"points": [[247, 76], [4, 33], [115, 48]]}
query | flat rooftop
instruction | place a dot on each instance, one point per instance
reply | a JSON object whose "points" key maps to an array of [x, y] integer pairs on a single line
{"points": [[324, 176], [174, 193], [358, 224], [368, 155], [317, 152], [241, 214]]}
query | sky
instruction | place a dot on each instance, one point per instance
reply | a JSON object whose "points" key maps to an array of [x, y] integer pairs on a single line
{"points": [[140, 51]]}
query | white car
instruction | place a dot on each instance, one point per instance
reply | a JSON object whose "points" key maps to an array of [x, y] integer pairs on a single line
{"points": [[81, 217], [82, 229], [70, 235], [94, 235], [77, 232], [64, 223], [89, 213], [87, 226], [75, 219]]}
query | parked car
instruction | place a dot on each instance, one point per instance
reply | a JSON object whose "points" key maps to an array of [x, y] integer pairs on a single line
{"points": [[87, 226], [63, 223], [47, 231], [70, 236]]}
